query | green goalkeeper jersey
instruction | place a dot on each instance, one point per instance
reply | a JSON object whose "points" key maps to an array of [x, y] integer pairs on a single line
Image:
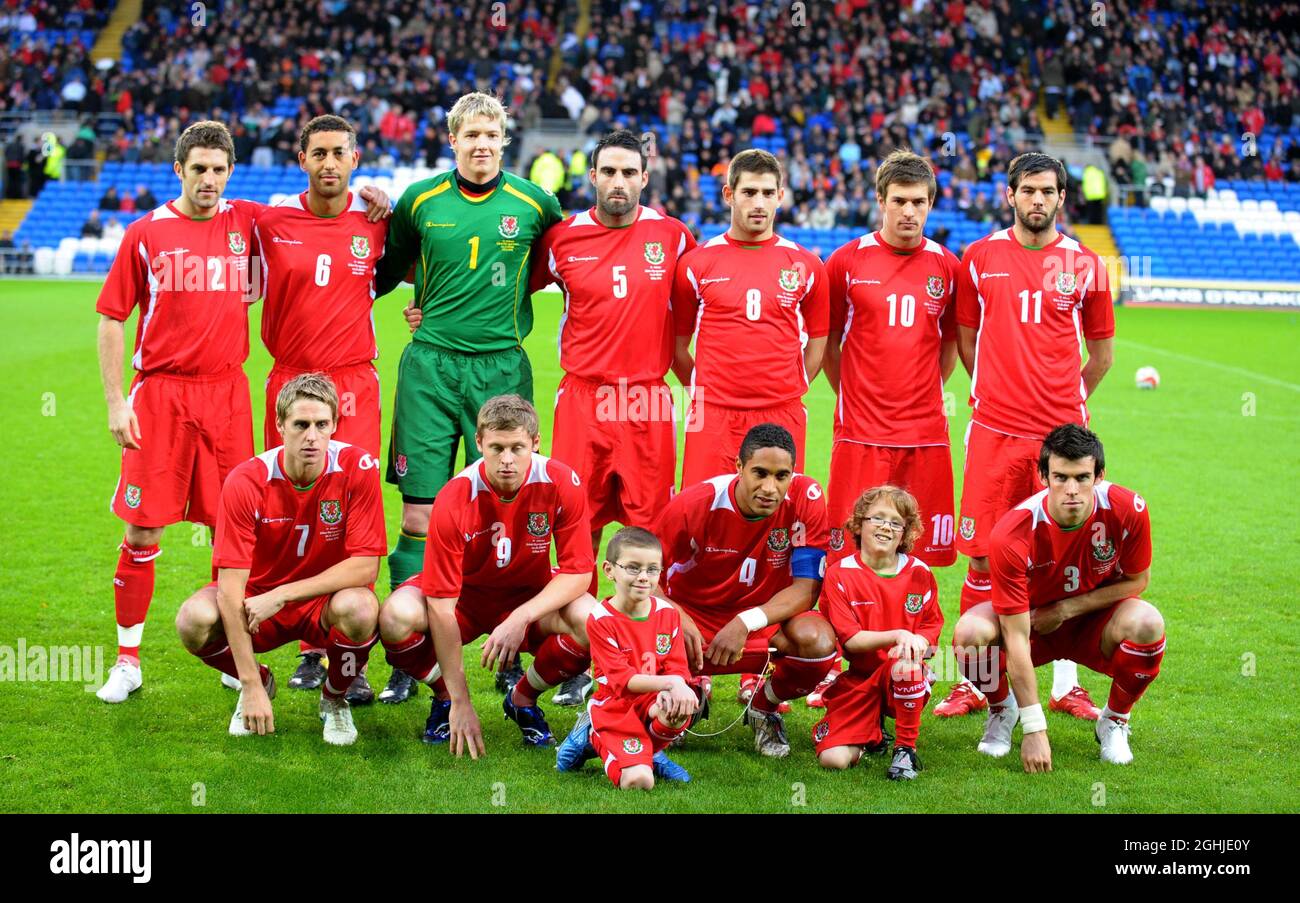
{"points": [[471, 259]]}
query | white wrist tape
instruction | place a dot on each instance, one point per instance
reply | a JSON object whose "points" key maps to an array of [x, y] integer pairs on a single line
{"points": [[1032, 719], [753, 619]]}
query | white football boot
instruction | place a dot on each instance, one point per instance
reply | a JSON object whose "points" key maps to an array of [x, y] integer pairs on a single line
{"points": [[1112, 734], [237, 728], [337, 716], [1002, 720], [123, 680]]}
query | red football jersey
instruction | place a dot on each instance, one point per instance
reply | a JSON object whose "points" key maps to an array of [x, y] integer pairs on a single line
{"points": [[854, 598], [319, 278], [282, 533], [719, 562], [617, 285], [622, 647], [1032, 308], [478, 539], [1035, 562], [192, 281], [894, 309], [752, 310]]}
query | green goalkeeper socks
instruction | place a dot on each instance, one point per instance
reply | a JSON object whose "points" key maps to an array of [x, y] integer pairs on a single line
{"points": [[406, 559]]}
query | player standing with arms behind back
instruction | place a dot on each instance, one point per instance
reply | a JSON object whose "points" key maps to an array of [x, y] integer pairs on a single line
{"points": [[756, 305], [187, 422], [1026, 298], [318, 253], [468, 234]]}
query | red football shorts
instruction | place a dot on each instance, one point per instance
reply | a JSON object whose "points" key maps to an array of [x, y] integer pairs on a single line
{"points": [[622, 740], [193, 431], [358, 388], [479, 610], [854, 704], [1078, 639], [924, 471], [620, 440], [714, 434], [1001, 472], [299, 620]]}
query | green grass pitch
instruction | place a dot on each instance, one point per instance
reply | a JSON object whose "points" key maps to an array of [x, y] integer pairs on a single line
{"points": [[1215, 450]]}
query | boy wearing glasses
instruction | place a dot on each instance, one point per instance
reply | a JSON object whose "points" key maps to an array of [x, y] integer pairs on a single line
{"points": [[884, 605], [643, 700]]}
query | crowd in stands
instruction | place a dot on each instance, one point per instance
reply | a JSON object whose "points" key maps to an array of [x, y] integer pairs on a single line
{"points": [[831, 87]]}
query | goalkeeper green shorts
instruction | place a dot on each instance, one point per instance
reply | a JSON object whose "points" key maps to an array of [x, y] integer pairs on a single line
{"points": [[439, 393]]}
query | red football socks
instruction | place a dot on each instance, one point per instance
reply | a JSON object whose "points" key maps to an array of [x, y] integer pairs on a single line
{"points": [[346, 659], [132, 593], [1135, 666]]}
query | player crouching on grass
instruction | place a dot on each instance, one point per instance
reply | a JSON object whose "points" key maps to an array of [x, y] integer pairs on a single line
{"points": [[487, 570], [745, 553], [643, 700], [300, 530], [884, 606], [1067, 564]]}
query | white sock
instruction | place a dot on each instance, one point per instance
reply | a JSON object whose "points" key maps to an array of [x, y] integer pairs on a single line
{"points": [[1065, 677], [770, 693], [1107, 713]]}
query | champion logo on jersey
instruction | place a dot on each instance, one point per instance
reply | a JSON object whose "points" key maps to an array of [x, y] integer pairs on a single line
{"points": [[914, 603], [1103, 551], [1065, 283], [967, 528], [663, 643], [934, 287], [837, 539], [400, 465], [509, 227], [632, 746], [654, 252], [789, 280], [539, 523], [331, 511], [132, 496], [360, 247], [236, 242], [779, 539]]}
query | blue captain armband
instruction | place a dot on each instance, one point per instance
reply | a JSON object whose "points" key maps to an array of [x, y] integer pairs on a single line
{"points": [[808, 562]]}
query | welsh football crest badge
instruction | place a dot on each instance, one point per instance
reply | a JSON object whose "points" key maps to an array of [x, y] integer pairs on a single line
{"points": [[632, 746], [789, 280], [820, 732], [837, 539], [236, 242], [539, 523], [331, 511], [132, 496], [1103, 551], [654, 252], [967, 528], [663, 643], [1065, 283], [360, 247], [509, 227], [779, 539], [399, 465], [934, 287], [914, 603]]}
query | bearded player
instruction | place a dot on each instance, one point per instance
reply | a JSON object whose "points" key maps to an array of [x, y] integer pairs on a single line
{"points": [[468, 234], [744, 557], [615, 264], [299, 537], [487, 570], [756, 306], [318, 254], [1068, 565], [1027, 297]]}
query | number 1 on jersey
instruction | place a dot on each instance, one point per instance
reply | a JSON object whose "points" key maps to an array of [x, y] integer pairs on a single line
{"points": [[473, 253]]}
